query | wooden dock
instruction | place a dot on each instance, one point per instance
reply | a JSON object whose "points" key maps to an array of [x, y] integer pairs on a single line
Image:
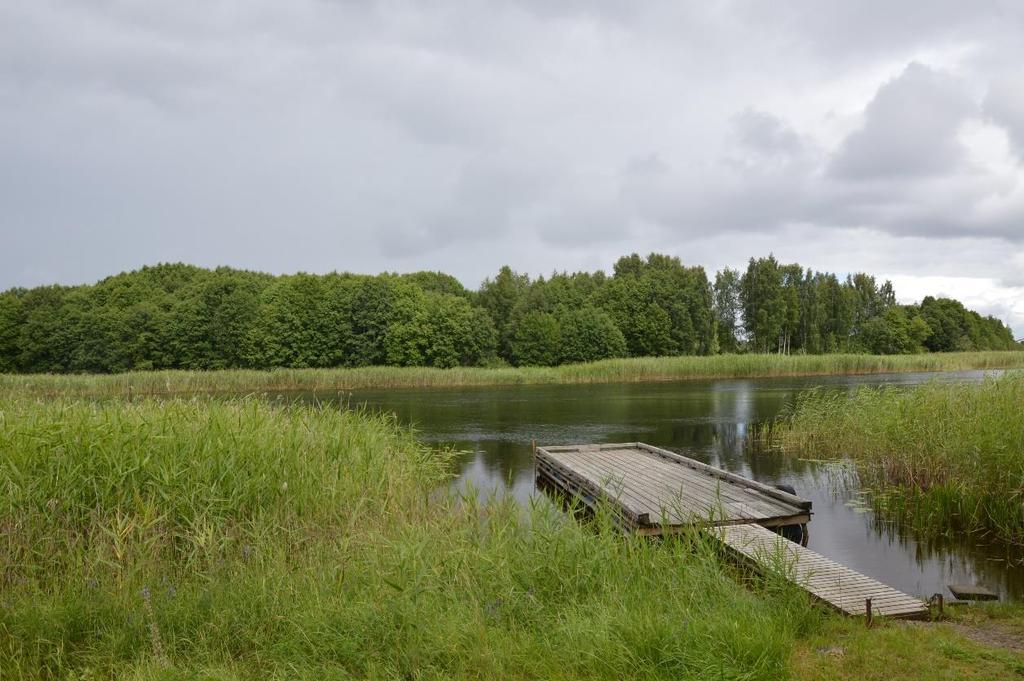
{"points": [[836, 585], [654, 491]]}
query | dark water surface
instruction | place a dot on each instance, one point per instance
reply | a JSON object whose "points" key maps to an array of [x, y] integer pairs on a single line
{"points": [[705, 420]]}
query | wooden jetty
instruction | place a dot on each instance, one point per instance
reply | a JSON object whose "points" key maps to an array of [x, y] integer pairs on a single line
{"points": [[837, 585], [653, 491]]}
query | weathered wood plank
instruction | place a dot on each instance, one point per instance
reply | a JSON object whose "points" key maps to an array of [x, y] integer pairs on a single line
{"points": [[613, 485], [575, 484], [726, 487], [642, 469], [672, 479], [826, 580], [767, 490], [662, 491], [674, 497], [682, 500]]}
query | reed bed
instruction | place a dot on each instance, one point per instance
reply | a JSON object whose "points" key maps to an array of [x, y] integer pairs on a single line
{"points": [[241, 381], [206, 538], [949, 457]]}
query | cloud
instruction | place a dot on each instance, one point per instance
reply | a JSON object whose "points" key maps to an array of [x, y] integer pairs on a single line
{"points": [[766, 135], [374, 136], [1004, 105], [910, 130]]}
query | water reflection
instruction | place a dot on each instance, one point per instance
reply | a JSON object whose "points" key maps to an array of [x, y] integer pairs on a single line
{"points": [[706, 420]]}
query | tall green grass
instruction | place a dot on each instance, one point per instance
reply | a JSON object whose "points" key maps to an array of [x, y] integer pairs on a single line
{"points": [[947, 456], [607, 371], [236, 540]]}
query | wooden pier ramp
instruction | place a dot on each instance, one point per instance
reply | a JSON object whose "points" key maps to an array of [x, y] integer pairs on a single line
{"points": [[837, 585], [654, 491]]}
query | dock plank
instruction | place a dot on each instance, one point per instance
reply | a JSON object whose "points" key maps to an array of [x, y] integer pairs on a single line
{"points": [[658, 495], [671, 491], [683, 498], [666, 477], [828, 581], [654, 491]]}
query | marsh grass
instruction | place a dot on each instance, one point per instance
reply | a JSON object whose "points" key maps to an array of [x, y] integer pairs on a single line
{"points": [[240, 381], [189, 538], [947, 456]]}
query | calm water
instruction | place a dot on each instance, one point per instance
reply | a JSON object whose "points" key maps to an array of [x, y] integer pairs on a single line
{"points": [[706, 420]]}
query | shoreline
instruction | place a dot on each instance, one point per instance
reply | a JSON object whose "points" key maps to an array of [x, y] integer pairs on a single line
{"points": [[632, 370]]}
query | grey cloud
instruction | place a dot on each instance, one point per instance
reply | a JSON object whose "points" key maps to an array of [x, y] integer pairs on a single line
{"points": [[909, 129], [766, 134], [846, 31], [370, 136], [487, 195], [1014, 277], [1004, 105], [645, 167], [904, 171], [585, 225]]}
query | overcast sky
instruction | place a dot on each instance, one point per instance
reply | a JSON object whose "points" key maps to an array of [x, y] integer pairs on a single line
{"points": [[286, 135]]}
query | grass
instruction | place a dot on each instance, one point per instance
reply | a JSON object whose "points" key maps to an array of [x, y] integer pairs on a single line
{"points": [[970, 645], [948, 457], [236, 539], [231, 540], [607, 371]]}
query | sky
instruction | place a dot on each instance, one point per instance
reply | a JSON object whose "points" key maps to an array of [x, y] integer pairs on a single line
{"points": [[320, 135]]}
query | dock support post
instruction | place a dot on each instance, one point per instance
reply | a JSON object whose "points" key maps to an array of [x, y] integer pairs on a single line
{"points": [[867, 612]]}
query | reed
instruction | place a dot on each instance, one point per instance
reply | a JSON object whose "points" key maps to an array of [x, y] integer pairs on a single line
{"points": [[241, 381], [205, 538], [947, 456]]}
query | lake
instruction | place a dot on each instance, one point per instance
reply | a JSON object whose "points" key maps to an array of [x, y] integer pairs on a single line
{"points": [[708, 420]]}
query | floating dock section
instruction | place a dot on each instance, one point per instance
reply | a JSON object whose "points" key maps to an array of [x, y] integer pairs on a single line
{"points": [[653, 491], [836, 585]]}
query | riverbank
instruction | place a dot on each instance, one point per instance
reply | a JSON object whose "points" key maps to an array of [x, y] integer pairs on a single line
{"points": [[242, 540], [945, 457], [632, 370], [237, 539]]}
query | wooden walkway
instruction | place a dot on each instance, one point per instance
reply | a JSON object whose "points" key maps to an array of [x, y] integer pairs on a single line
{"points": [[837, 585], [653, 491]]}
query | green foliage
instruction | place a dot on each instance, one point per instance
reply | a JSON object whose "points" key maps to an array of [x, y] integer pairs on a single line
{"points": [[764, 303], [438, 282], [955, 328], [661, 307], [195, 539], [10, 327], [947, 457], [41, 342], [439, 330], [588, 335], [537, 340], [301, 322], [894, 333], [372, 310], [728, 309], [500, 296], [176, 316], [210, 320], [787, 309]]}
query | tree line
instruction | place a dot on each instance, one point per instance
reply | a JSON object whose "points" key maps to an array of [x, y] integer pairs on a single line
{"points": [[178, 316]]}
